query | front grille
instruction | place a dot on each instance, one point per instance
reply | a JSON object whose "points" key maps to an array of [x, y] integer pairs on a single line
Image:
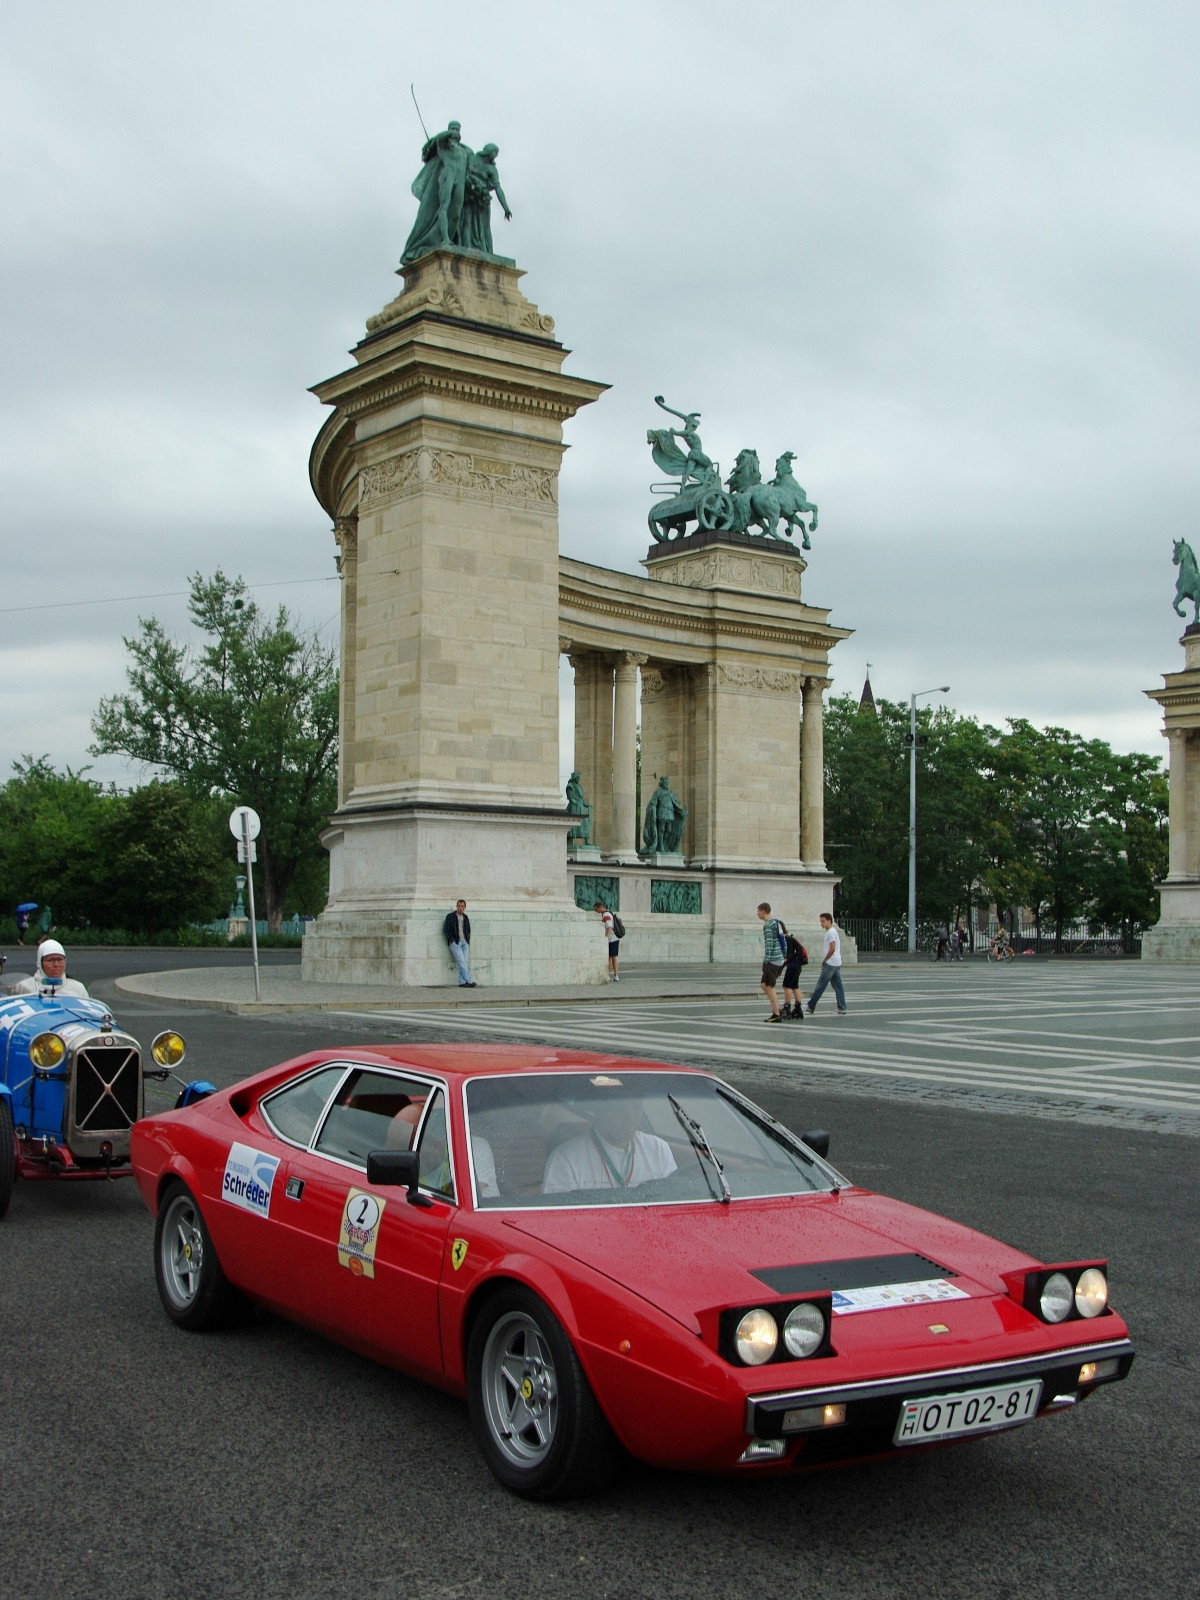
{"points": [[107, 1093]]}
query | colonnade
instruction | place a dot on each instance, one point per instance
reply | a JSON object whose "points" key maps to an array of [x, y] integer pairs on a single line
{"points": [[700, 714]]}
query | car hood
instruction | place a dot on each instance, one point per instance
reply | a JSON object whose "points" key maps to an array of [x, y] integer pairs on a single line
{"points": [[687, 1258]]}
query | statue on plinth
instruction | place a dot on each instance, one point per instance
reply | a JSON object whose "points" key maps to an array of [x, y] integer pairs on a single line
{"points": [[455, 187], [744, 504], [577, 806], [665, 817], [1187, 586]]}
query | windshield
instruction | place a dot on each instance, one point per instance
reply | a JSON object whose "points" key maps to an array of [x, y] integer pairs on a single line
{"points": [[630, 1138]]}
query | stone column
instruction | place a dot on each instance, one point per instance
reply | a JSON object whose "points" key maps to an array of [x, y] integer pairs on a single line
{"points": [[1191, 766], [812, 775], [1177, 865], [345, 531], [624, 793], [593, 738]]}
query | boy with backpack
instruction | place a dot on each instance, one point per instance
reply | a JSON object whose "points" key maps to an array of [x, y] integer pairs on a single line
{"points": [[614, 932], [795, 957]]}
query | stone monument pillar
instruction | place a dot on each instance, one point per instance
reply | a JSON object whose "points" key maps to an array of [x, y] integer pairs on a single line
{"points": [[439, 468], [1176, 935]]}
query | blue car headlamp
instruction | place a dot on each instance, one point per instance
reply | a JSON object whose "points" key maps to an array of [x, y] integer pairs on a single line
{"points": [[47, 1051]]}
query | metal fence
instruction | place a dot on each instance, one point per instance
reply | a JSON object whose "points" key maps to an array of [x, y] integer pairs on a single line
{"points": [[885, 935]]}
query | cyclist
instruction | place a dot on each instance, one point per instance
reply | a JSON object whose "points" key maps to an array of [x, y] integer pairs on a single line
{"points": [[1000, 943]]}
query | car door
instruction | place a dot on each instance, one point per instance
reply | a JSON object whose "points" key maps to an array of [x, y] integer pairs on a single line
{"points": [[367, 1261]]}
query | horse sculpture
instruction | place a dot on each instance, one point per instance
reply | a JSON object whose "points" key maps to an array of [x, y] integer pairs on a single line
{"points": [[1187, 586], [763, 505]]}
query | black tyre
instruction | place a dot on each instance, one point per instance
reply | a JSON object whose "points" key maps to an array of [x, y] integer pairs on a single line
{"points": [[533, 1411], [8, 1153], [194, 1290]]}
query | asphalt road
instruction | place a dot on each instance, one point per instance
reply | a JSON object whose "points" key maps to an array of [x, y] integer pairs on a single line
{"points": [[140, 1461]]}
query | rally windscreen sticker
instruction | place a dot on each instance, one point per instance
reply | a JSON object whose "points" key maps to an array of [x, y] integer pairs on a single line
{"points": [[361, 1216], [886, 1295], [249, 1178]]}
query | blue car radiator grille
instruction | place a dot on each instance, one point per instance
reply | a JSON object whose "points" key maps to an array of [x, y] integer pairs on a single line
{"points": [[108, 1081]]}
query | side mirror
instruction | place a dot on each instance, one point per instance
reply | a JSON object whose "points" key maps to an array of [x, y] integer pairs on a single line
{"points": [[817, 1141], [400, 1169]]}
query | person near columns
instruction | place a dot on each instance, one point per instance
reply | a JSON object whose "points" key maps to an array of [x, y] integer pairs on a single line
{"points": [[611, 939], [831, 967], [457, 929]]}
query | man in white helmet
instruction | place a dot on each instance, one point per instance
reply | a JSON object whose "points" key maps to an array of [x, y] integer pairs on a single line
{"points": [[50, 975]]}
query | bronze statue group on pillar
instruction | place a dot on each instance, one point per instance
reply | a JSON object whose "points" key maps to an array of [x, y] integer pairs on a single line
{"points": [[455, 187]]}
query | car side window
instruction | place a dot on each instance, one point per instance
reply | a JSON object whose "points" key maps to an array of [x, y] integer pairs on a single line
{"points": [[434, 1148], [293, 1112], [372, 1111]]}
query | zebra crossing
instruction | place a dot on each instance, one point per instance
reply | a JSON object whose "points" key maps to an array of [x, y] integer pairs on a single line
{"points": [[1106, 1039]]}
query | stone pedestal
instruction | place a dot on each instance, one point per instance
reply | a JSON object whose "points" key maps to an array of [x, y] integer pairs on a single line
{"points": [[439, 468], [1176, 935]]}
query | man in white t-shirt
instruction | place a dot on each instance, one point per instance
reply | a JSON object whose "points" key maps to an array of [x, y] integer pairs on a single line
{"points": [[613, 1154], [831, 967]]}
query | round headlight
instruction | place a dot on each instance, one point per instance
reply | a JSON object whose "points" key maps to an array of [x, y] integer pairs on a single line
{"points": [[1057, 1297], [46, 1051], [1091, 1293], [804, 1330], [756, 1337], [168, 1049]]}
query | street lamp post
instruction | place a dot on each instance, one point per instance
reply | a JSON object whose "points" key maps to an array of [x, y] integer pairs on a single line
{"points": [[912, 811]]}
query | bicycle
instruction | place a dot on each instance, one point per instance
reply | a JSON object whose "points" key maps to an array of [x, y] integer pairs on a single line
{"points": [[1001, 951]]}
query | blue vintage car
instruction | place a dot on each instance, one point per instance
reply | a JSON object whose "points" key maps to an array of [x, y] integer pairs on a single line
{"points": [[71, 1088]]}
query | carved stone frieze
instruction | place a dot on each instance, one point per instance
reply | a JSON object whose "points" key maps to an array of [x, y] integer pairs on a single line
{"points": [[345, 531], [458, 474], [658, 682], [475, 290], [759, 680], [734, 569]]}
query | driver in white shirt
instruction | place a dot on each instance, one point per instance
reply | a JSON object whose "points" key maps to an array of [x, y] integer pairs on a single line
{"points": [[613, 1154]]}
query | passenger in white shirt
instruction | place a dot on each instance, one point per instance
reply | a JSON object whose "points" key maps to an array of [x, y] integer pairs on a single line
{"points": [[613, 1154]]}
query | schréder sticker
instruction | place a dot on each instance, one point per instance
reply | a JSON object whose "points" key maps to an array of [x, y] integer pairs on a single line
{"points": [[249, 1176]]}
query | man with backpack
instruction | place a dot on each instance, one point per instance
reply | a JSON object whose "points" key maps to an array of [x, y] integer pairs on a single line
{"points": [[773, 958], [614, 932]]}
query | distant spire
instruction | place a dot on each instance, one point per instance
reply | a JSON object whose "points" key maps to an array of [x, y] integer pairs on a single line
{"points": [[866, 700]]}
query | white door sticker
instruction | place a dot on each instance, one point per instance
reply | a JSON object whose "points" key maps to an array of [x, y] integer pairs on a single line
{"points": [[249, 1177]]}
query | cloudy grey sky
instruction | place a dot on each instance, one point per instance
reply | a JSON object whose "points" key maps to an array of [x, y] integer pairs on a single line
{"points": [[947, 253]]}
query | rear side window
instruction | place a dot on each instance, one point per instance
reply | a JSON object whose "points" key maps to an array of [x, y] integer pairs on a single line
{"points": [[372, 1111], [293, 1112]]}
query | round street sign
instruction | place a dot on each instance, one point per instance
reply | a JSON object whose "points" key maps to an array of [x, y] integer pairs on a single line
{"points": [[250, 828]]}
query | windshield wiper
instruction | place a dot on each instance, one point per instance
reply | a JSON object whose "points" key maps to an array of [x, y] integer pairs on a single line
{"points": [[699, 1142], [769, 1125]]}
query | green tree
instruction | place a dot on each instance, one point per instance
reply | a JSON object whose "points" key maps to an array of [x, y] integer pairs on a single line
{"points": [[167, 851], [51, 846], [1031, 818], [250, 716]]}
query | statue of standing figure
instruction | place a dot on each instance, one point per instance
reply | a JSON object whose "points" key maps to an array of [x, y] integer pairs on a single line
{"points": [[665, 817], [581, 831], [455, 187]]}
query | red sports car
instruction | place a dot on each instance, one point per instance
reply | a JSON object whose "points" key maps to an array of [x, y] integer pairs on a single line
{"points": [[608, 1255]]}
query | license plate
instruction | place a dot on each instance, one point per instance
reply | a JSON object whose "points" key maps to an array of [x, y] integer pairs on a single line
{"points": [[947, 1416]]}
